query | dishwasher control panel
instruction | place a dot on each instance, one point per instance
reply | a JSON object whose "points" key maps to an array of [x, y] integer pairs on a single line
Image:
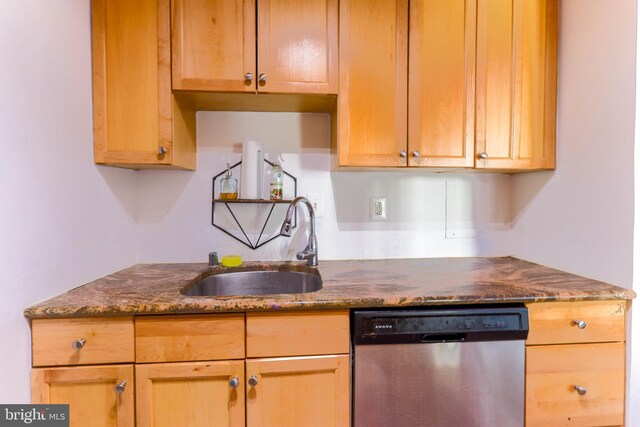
{"points": [[440, 325]]}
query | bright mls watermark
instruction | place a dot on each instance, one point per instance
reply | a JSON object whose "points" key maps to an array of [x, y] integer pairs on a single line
{"points": [[34, 415]]}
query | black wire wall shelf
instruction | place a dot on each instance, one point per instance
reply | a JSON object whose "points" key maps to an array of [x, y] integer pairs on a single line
{"points": [[228, 203]]}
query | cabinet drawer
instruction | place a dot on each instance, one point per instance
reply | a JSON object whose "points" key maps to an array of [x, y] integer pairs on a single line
{"points": [[86, 341], [556, 322], [553, 371], [297, 333], [189, 337]]}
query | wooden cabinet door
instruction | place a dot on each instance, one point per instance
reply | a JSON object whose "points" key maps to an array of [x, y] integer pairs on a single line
{"points": [[516, 84], [298, 391], [556, 373], [213, 45], [441, 82], [576, 322], [190, 394], [298, 46], [90, 393], [137, 122], [372, 106]]}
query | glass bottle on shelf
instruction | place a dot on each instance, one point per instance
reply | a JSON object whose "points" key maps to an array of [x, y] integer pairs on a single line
{"points": [[228, 186], [277, 179]]}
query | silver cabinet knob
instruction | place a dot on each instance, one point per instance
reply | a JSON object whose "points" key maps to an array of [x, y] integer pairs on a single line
{"points": [[234, 382], [162, 150], [253, 381], [483, 155], [581, 390], [119, 388], [415, 153], [262, 78], [403, 153], [579, 323], [78, 344], [248, 77]]}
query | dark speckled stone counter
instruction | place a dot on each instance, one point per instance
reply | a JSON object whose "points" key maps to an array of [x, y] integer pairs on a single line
{"points": [[155, 288]]}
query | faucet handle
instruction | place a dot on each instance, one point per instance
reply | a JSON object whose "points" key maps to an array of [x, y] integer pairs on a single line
{"points": [[285, 230], [306, 254]]}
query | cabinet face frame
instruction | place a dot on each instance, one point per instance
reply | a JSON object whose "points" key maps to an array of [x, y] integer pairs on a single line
{"points": [[363, 84], [520, 76], [56, 385]]}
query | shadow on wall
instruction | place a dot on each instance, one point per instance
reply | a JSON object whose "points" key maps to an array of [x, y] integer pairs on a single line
{"points": [[526, 189], [147, 196], [292, 133], [122, 183]]}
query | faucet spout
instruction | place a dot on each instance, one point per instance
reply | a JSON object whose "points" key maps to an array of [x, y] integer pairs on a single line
{"points": [[310, 252]]}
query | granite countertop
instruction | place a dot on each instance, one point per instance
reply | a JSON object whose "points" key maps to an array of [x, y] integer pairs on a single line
{"points": [[155, 288]]}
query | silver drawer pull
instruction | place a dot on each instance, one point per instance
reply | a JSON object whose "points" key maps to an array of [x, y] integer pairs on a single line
{"points": [[234, 382], [579, 323], [78, 344], [253, 381], [119, 388], [581, 390]]}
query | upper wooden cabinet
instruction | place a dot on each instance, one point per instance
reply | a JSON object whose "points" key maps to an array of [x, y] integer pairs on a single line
{"points": [[481, 79], [516, 84], [441, 82], [214, 46], [138, 123], [372, 105]]}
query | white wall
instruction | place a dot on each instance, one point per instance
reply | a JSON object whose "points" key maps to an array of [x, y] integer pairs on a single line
{"points": [[174, 209], [634, 369], [580, 218], [63, 221]]}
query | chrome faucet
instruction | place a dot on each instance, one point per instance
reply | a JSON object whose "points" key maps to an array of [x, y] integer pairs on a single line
{"points": [[310, 253]]}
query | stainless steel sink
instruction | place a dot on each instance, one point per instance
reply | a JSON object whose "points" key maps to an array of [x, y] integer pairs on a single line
{"points": [[244, 283]]}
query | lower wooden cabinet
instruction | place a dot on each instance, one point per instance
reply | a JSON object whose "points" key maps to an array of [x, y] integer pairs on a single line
{"points": [[190, 394], [286, 378], [98, 396], [290, 391], [575, 364], [298, 391], [576, 384], [296, 369]]}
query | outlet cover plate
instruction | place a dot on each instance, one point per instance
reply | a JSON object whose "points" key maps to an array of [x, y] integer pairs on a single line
{"points": [[378, 209]]}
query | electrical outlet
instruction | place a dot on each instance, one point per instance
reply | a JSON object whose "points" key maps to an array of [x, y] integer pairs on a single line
{"points": [[317, 201], [378, 209]]}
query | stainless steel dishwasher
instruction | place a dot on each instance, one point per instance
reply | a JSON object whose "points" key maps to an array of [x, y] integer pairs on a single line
{"points": [[443, 367]]}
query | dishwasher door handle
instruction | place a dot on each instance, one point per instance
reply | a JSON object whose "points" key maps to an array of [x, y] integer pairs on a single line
{"points": [[433, 338]]}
